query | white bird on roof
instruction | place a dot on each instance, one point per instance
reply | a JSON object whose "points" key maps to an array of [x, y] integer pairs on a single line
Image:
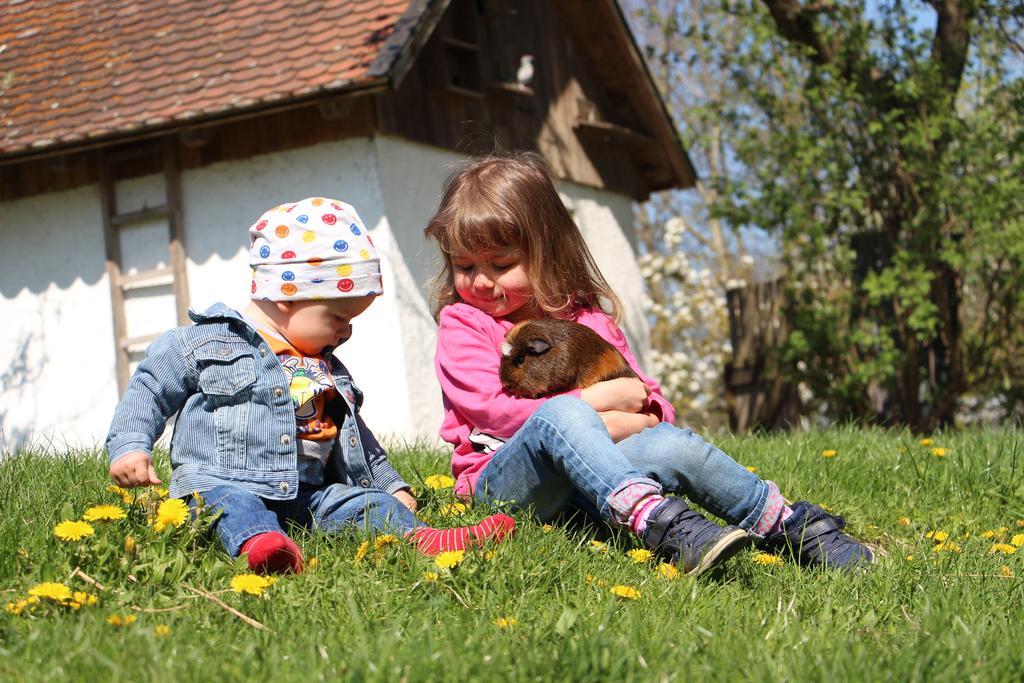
{"points": [[524, 74]]}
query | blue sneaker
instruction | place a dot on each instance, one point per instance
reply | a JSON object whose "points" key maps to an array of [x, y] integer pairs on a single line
{"points": [[814, 539], [688, 539]]}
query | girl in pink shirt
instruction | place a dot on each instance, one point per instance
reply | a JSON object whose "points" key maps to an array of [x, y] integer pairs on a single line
{"points": [[512, 253]]}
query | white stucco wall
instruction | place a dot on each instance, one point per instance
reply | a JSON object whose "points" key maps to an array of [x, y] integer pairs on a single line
{"points": [[58, 383], [56, 344]]}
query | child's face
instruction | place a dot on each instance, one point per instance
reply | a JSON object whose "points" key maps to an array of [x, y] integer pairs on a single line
{"points": [[312, 326], [496, 282]]}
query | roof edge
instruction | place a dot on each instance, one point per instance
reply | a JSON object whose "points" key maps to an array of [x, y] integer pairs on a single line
{"points": [[678, 157], [403, 46], [365, 87]]}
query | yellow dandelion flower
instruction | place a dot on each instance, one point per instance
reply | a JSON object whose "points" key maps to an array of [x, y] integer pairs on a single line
{"points": [[640, 555], [751, 468], [452, 509], [599, 546], [547, 528], [937, 536], [1020, 522], [50, 590], [384, 540], [104, 513], [450, 559], [1017, 540], [364, 548], [160, 491], [253, 584], [904, 521], [669, 571], [312, 563], [438, 482], [1004, 548], [83, 598], [940, 452], [129, 545], [947, 546], [1005, 570], [767, 559], [829, 453], [988, 533], [490, 555], [925, 442], [910, 558], [505, 622], [171, 512], [431, 577], [127, 497], [17, 607], [627, 592], [161, 630], [70, 530], [121, 620]]}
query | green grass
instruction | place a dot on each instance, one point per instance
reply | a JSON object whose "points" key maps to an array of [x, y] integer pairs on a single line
{"points": [[938, 616]]}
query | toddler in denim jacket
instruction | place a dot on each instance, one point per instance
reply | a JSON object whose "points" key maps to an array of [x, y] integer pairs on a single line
{"points": [[268, 427]]}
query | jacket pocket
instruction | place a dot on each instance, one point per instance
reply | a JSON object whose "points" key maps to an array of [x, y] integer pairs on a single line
{"points": [[227, 373], [225, 368]]}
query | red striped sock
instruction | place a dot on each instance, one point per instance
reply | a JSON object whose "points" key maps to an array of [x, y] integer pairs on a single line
{"points": [[431, 542], [273, 553]]}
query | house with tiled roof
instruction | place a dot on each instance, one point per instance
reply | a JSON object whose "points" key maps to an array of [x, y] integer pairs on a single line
{"points": [[140, 139]]}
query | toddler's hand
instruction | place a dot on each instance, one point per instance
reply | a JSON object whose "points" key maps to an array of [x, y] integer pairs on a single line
{"points": [[134, 469], [628, 394], [406, 499]]}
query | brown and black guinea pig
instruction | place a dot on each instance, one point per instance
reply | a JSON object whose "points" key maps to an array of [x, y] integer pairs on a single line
{"points": [[541, 357]]}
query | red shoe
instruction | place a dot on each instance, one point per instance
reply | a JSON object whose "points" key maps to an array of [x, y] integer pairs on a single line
{"points": [[432, 542], [273, 553]]}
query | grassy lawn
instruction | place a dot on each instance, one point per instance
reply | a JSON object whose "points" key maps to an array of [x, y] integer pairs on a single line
{"points": [[540, 606]]}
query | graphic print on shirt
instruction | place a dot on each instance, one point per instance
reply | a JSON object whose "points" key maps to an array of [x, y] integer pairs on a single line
{"points": [[310, 381]]}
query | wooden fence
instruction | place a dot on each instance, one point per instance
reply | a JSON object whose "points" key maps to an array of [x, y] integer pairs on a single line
{"points": [[756, 395]]}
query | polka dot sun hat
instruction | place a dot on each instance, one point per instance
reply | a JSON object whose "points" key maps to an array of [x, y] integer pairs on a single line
{"points": [[312, 249]]}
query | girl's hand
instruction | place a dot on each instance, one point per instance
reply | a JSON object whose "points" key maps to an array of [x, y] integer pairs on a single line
{"points": [[405, 498], [628, 394], [134, 469], [621, 425]]}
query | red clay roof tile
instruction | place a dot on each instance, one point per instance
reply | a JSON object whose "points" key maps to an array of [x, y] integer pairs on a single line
{"points": [[75, 70]]}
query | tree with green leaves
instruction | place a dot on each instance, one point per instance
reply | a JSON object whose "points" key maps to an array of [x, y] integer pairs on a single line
{"points": [[884, 147]]}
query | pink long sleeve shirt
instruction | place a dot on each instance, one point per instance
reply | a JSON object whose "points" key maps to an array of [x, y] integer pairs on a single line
{"points": [[467, 363]]}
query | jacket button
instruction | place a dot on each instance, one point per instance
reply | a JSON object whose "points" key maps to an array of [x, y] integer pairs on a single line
{"points": [[283, 486], [263, 351], [285, 439], [365, 483], [278, 391], [352, 441]]}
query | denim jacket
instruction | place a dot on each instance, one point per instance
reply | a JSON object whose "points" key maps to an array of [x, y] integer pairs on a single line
{"points": [[235, 420]]}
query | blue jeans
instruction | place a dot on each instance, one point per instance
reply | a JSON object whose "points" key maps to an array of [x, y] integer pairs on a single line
{"points": [[563, 454], [333, 509]]}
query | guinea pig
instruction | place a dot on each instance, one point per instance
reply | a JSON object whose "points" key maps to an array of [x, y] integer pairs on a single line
{"points": [[541, 357]]}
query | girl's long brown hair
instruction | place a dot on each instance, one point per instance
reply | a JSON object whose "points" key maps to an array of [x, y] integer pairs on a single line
{"points": [[509, 201]]}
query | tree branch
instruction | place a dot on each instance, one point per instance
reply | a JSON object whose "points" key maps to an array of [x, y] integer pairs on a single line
{"points": [[796, 23], [952, 40]]}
